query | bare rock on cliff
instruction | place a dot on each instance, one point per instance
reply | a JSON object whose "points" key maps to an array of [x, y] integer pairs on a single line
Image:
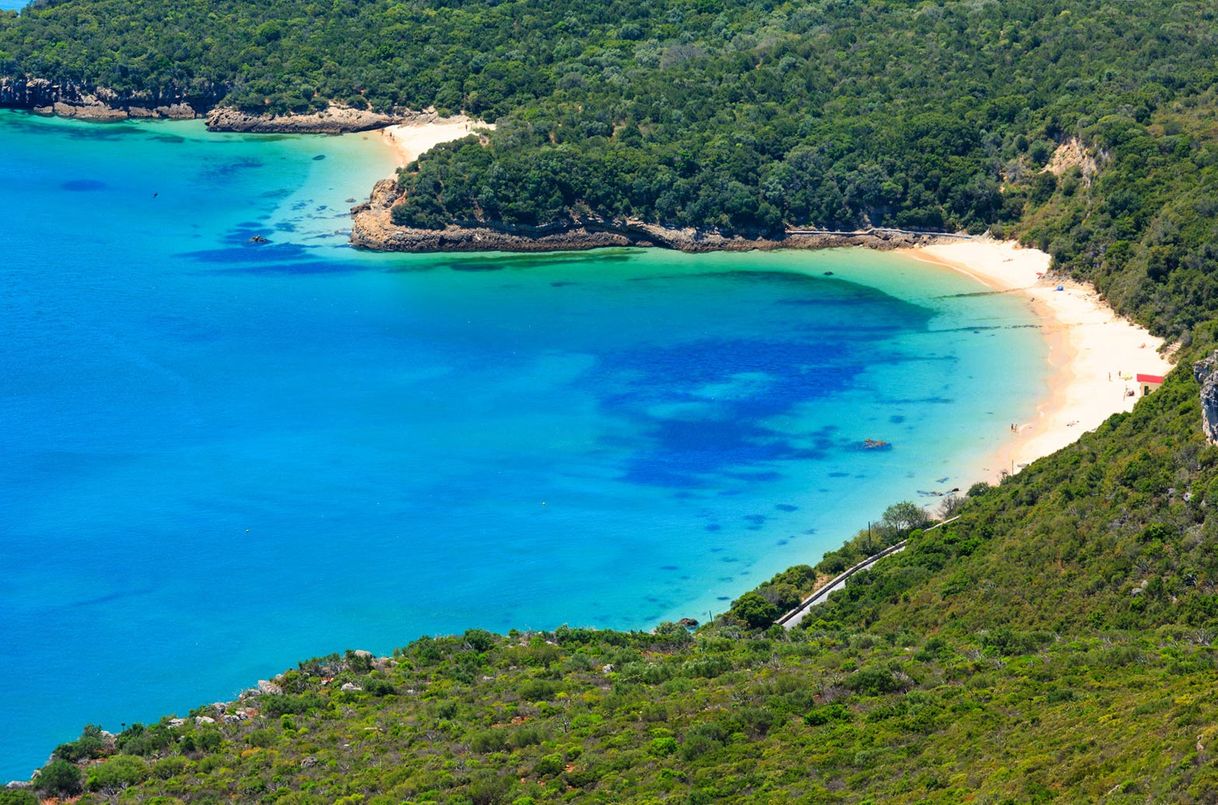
{"points": [[84, 111], [333, 120], [101, 103], [1206, 373], [1073, 154]]}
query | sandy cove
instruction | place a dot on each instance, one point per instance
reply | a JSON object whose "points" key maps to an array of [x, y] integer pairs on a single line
{"points": [[1094, 354], [409, 140]]}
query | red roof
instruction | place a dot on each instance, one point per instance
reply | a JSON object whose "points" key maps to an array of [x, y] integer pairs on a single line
{"points": [[1150, 378]]}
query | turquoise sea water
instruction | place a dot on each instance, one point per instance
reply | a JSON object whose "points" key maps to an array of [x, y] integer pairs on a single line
{"points": [[220, 457]]}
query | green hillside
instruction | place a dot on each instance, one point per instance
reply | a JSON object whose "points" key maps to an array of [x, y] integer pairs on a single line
{"points": [[1054, 643], [743, 117]]}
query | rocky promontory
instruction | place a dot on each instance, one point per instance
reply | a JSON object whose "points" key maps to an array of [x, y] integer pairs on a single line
{"points": [[373, 228], [100, 103], [332, 120]]}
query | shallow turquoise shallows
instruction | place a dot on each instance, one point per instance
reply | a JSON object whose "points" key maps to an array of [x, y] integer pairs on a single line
{"points": [[221, 456]]}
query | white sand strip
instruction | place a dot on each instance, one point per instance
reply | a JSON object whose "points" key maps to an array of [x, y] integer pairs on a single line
{"points": [[1094, 355], [410, 140]]}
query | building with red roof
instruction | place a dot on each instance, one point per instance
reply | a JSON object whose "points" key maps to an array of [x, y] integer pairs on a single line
{"points": [[1149, 383]]}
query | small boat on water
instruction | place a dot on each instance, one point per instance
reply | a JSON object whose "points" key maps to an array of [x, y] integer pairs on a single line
{"points": [[875, 444]]}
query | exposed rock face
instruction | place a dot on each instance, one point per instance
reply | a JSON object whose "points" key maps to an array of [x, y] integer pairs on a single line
{"points": [[334, 120], [99, 103], [1206, 373], [373, 228], [1073, 154]]}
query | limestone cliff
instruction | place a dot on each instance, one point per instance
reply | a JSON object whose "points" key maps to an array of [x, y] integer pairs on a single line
{"points": [[333, 120], [1206, 373], [101, 103]]}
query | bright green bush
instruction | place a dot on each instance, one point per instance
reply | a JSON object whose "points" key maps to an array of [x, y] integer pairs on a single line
{"points": [[116, 773]]}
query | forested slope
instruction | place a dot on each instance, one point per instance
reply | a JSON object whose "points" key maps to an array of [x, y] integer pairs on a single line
{"points": [[740, 117], [1055, 642]]}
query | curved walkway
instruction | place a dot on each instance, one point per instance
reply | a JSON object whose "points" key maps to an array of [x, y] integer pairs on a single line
{"points": [[792, 618]]}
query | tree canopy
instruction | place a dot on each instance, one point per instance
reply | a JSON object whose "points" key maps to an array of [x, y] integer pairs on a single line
{"points": [[745, 117], [1056, 641]]}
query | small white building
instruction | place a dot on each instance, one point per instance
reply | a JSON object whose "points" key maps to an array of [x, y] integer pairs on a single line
{"points": [[1148, 383]]}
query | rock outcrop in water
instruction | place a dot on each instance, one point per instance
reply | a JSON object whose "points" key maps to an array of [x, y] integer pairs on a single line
{"points": [[373, 228], [101, 103], [333, 120], [1206, 373]]}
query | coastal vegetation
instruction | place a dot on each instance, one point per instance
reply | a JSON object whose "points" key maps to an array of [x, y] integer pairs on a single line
{"points": [[743, 118], [1056, 641]]}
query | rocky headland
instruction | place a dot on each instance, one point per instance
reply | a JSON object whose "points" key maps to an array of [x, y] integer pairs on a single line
{"points": [[332, 120], [104, 104], [373, 228], [101, 103]]}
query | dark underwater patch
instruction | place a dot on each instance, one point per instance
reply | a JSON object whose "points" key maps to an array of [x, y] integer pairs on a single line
{"points": [[247, 244], [302, 268], [728, 436], [483, 265], [537, 259], [227, 168], [84, 185]]}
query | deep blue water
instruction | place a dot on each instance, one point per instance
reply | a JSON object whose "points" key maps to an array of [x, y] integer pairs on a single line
{"points": [[221, 457]]}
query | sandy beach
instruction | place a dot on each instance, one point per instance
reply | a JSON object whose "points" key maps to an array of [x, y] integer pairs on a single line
{"points": [[409, 140], [1094, 355]]}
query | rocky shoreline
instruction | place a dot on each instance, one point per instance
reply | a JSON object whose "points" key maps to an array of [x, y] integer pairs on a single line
{"points": [[372, 225], [332, 120], [373, 229], [45, 97], [101, 103]]}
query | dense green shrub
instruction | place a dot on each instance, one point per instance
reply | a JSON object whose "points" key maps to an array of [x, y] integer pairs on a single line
{"points": [[88, 746], [116, 773], [17, 796], [754, 610], [59, 778]]}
